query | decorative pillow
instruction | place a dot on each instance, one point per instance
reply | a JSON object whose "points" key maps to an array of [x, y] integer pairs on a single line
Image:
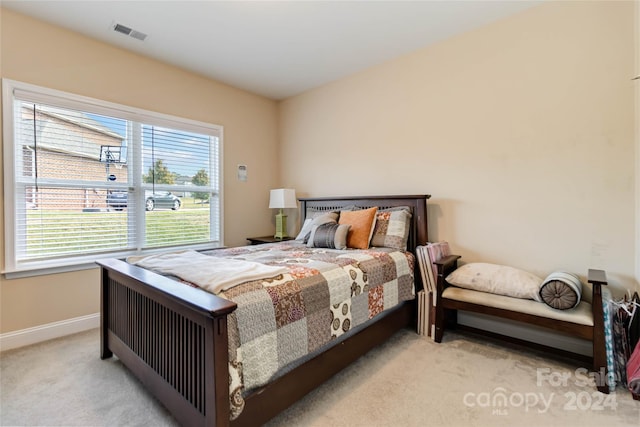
{"points": [[392, 228], [362, 222], [315, 218], [561, 290], [329, 235], [306, 229], [497, 279]]}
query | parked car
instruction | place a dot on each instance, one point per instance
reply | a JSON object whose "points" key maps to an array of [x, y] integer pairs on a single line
{"points": [[162, 200], [117, 200]]}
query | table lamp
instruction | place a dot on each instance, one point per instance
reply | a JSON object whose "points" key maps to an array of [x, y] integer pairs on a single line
{"points": [[282, 198]]}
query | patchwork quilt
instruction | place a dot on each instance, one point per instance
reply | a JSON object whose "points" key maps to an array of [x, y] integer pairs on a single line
{"points": [[324, 294]]}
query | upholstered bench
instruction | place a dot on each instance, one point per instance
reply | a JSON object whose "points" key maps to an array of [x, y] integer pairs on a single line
{"points": [[584, 321]]}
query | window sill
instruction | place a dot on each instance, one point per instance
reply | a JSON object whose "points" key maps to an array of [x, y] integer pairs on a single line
{"points": [[43, 270]]}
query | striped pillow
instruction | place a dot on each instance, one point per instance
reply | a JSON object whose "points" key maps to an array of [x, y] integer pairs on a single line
{"points": [[316, 218], [329, 235]]}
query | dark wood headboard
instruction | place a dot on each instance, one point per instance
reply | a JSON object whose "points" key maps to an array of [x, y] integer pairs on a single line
{"points": [[418, 234]]}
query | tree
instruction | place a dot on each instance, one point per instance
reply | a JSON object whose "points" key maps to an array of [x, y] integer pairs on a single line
{"points": [[201, 178], [159, 174]]}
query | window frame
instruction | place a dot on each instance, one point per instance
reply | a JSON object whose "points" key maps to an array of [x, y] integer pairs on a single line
{"points": [[13, 268]]}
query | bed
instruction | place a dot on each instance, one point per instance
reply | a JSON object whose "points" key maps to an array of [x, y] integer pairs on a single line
{"points": [[182, 341]]}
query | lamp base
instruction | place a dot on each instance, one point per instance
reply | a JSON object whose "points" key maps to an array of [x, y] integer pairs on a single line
{"points": [[281, 226]]}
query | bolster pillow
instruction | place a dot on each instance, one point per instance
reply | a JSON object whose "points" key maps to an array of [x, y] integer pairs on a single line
{"points": [[561, 290]]}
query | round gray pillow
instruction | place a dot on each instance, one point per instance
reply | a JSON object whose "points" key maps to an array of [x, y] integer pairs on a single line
{"points": [[561, 290]]}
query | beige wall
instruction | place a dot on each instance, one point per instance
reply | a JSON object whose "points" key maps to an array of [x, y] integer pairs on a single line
{"points": [[37, 53], [523, 132], [637, 119]]}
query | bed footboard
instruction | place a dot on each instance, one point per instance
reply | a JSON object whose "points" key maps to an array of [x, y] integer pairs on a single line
{"points": [[172, 337]]}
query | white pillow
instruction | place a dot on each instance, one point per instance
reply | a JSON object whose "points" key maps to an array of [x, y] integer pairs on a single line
{"points": [[306, 229], [497, 279]]}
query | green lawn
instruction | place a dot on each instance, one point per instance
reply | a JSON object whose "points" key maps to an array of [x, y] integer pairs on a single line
{"points": [[183, 226], [57, 232]]}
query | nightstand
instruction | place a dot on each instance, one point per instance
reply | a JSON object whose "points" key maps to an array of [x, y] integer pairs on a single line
{"points": [[267, 239]]}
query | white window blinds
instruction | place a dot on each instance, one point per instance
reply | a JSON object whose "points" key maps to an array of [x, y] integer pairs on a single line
{"points": [[90, 179]]}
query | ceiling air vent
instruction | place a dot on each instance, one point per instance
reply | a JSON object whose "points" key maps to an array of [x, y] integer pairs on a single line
{"points": [[138, 35], [129, 32]]}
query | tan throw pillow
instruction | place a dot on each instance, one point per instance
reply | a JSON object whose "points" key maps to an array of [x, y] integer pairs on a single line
{"points": [[362, 222]]}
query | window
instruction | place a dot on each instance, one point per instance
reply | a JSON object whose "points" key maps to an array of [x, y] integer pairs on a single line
{"points": [[87, 179]]}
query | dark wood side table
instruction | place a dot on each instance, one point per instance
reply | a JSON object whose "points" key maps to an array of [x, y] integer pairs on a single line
{"points": [[267, 239]]}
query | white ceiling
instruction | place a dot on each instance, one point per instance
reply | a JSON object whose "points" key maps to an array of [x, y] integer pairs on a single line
{"points": [[272, 48]]}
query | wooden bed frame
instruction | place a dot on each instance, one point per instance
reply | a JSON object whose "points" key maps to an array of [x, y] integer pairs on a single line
{"points": [[174, 337]]}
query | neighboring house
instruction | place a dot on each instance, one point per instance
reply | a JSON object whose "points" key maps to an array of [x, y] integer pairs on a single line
{"points": [[183, 180], [67, 146]]}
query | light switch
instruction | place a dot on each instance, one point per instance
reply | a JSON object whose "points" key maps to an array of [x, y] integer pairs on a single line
{"points": [[242, 173]]}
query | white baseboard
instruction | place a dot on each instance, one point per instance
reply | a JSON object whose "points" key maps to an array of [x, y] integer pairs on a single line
{"points": [[49, 331]]}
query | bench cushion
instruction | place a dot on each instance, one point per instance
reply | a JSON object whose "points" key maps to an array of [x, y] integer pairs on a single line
{"points": [[581, 314]]}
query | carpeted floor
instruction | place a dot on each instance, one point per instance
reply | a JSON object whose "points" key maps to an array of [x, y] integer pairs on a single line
{"points": [[408, 381]]}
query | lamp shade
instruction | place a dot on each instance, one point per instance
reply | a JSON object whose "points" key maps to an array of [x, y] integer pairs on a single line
{"points": [[283, 198]]}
